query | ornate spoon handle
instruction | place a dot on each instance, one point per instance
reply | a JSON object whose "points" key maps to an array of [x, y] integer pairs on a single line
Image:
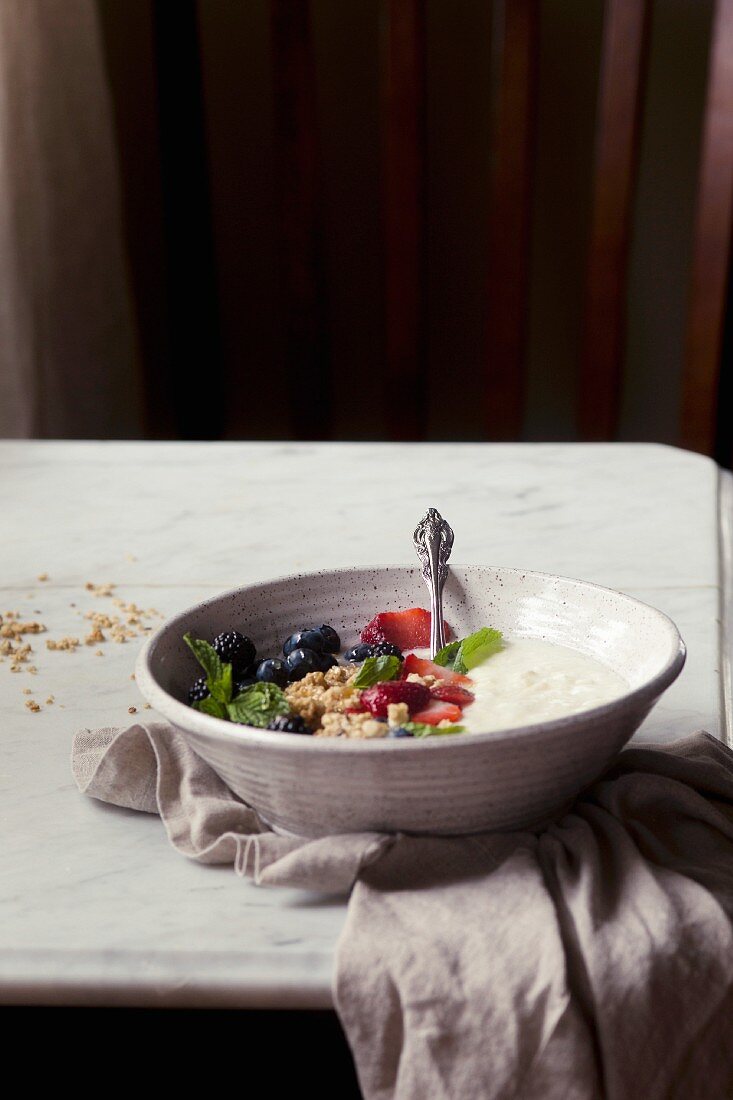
{"points": [[433, 541]]}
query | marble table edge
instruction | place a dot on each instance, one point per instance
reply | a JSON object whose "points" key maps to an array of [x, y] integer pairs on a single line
{"points": [[162, 980]]}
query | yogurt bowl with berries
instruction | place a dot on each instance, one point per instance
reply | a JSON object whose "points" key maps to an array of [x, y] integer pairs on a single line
{"points": [[348, 726]]}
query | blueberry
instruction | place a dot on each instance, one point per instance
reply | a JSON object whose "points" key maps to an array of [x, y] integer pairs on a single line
{"points": [[399, 731], [388, 649], [240, 685], [331, 640], [236, 649], [305, 639], [289, 723], [198, 691], [359, 652], [299, 662], [327, 660], [272, 671]]}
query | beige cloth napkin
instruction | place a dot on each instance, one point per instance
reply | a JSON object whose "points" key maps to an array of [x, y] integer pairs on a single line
{"points": [[592, 958]]}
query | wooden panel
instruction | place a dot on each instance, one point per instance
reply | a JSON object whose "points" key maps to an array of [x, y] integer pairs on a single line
{"points": [[404, 215], [623, 64], [711, 246], [307, 372], [515, 48]]}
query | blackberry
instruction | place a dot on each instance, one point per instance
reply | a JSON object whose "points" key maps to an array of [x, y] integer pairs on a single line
{"points": [[236, 649], [388, 649], [198, 691], [289, 723]]}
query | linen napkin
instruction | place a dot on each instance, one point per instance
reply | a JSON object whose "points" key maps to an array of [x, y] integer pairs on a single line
{"points": [[590, 958]]}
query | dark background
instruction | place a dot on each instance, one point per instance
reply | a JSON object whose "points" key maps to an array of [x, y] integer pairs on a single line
{"points": [[194, 90]]}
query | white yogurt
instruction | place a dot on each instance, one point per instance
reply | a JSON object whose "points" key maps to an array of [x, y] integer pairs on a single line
{"points": [[534, 681]]}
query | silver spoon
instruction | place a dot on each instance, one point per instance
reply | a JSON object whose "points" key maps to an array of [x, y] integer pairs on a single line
{"points": [[433, 541]]}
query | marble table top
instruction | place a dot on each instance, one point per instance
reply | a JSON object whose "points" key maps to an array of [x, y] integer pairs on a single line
{"points": [[95, 907]]}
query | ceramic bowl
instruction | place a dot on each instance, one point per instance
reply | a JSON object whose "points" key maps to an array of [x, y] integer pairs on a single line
{"points": [[443, 785]]}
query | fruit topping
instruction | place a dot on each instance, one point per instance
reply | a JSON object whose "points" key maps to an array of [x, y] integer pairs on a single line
{"points": [[239, 686], [289, 723], [272, 671], [388, 649], [305, 639], [423, 667], [407, 629], [198, 690], [400, 731], [377, 699], [438, 712], [331, 640], [359, 653], [452, 693], [299, 662], [326, 661], [236, 649]]}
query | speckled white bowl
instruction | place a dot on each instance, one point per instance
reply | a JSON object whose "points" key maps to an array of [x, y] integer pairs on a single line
{"points": [[466, 783]]}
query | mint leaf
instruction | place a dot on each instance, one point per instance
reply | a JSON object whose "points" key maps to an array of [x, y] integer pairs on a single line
{"points": [[218, 673], [422, 729], [377, 669], [446, 656], [477, 647], [471, 651], [211, 706], [258, 704]]}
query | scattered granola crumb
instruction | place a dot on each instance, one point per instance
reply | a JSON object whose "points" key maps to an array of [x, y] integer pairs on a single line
{"points": [[130, 557], [67, 643], [32, 669], [99, 589], [43, 576], [14, 628], [132, 675], [94, 637], [27, 691], [98, 653], [132, 710], [147, 706], [33, 706], [50, 700]]}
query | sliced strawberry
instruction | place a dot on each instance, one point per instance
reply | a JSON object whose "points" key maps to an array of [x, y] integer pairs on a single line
{"points": [[452, 693], [423, 667], [407, 629], [376, 699], [438, 712]]}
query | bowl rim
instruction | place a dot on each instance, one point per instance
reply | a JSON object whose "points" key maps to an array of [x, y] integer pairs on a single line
{"points": [[181, 714]]}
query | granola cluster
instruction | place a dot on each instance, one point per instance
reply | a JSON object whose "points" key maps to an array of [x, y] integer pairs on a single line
{"points": [[328, 702]]}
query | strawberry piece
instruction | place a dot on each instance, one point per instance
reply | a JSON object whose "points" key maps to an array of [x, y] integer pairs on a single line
{"points": [[407, 629], [423, 667], [438, 712], [376, 699], [452, 693]]}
